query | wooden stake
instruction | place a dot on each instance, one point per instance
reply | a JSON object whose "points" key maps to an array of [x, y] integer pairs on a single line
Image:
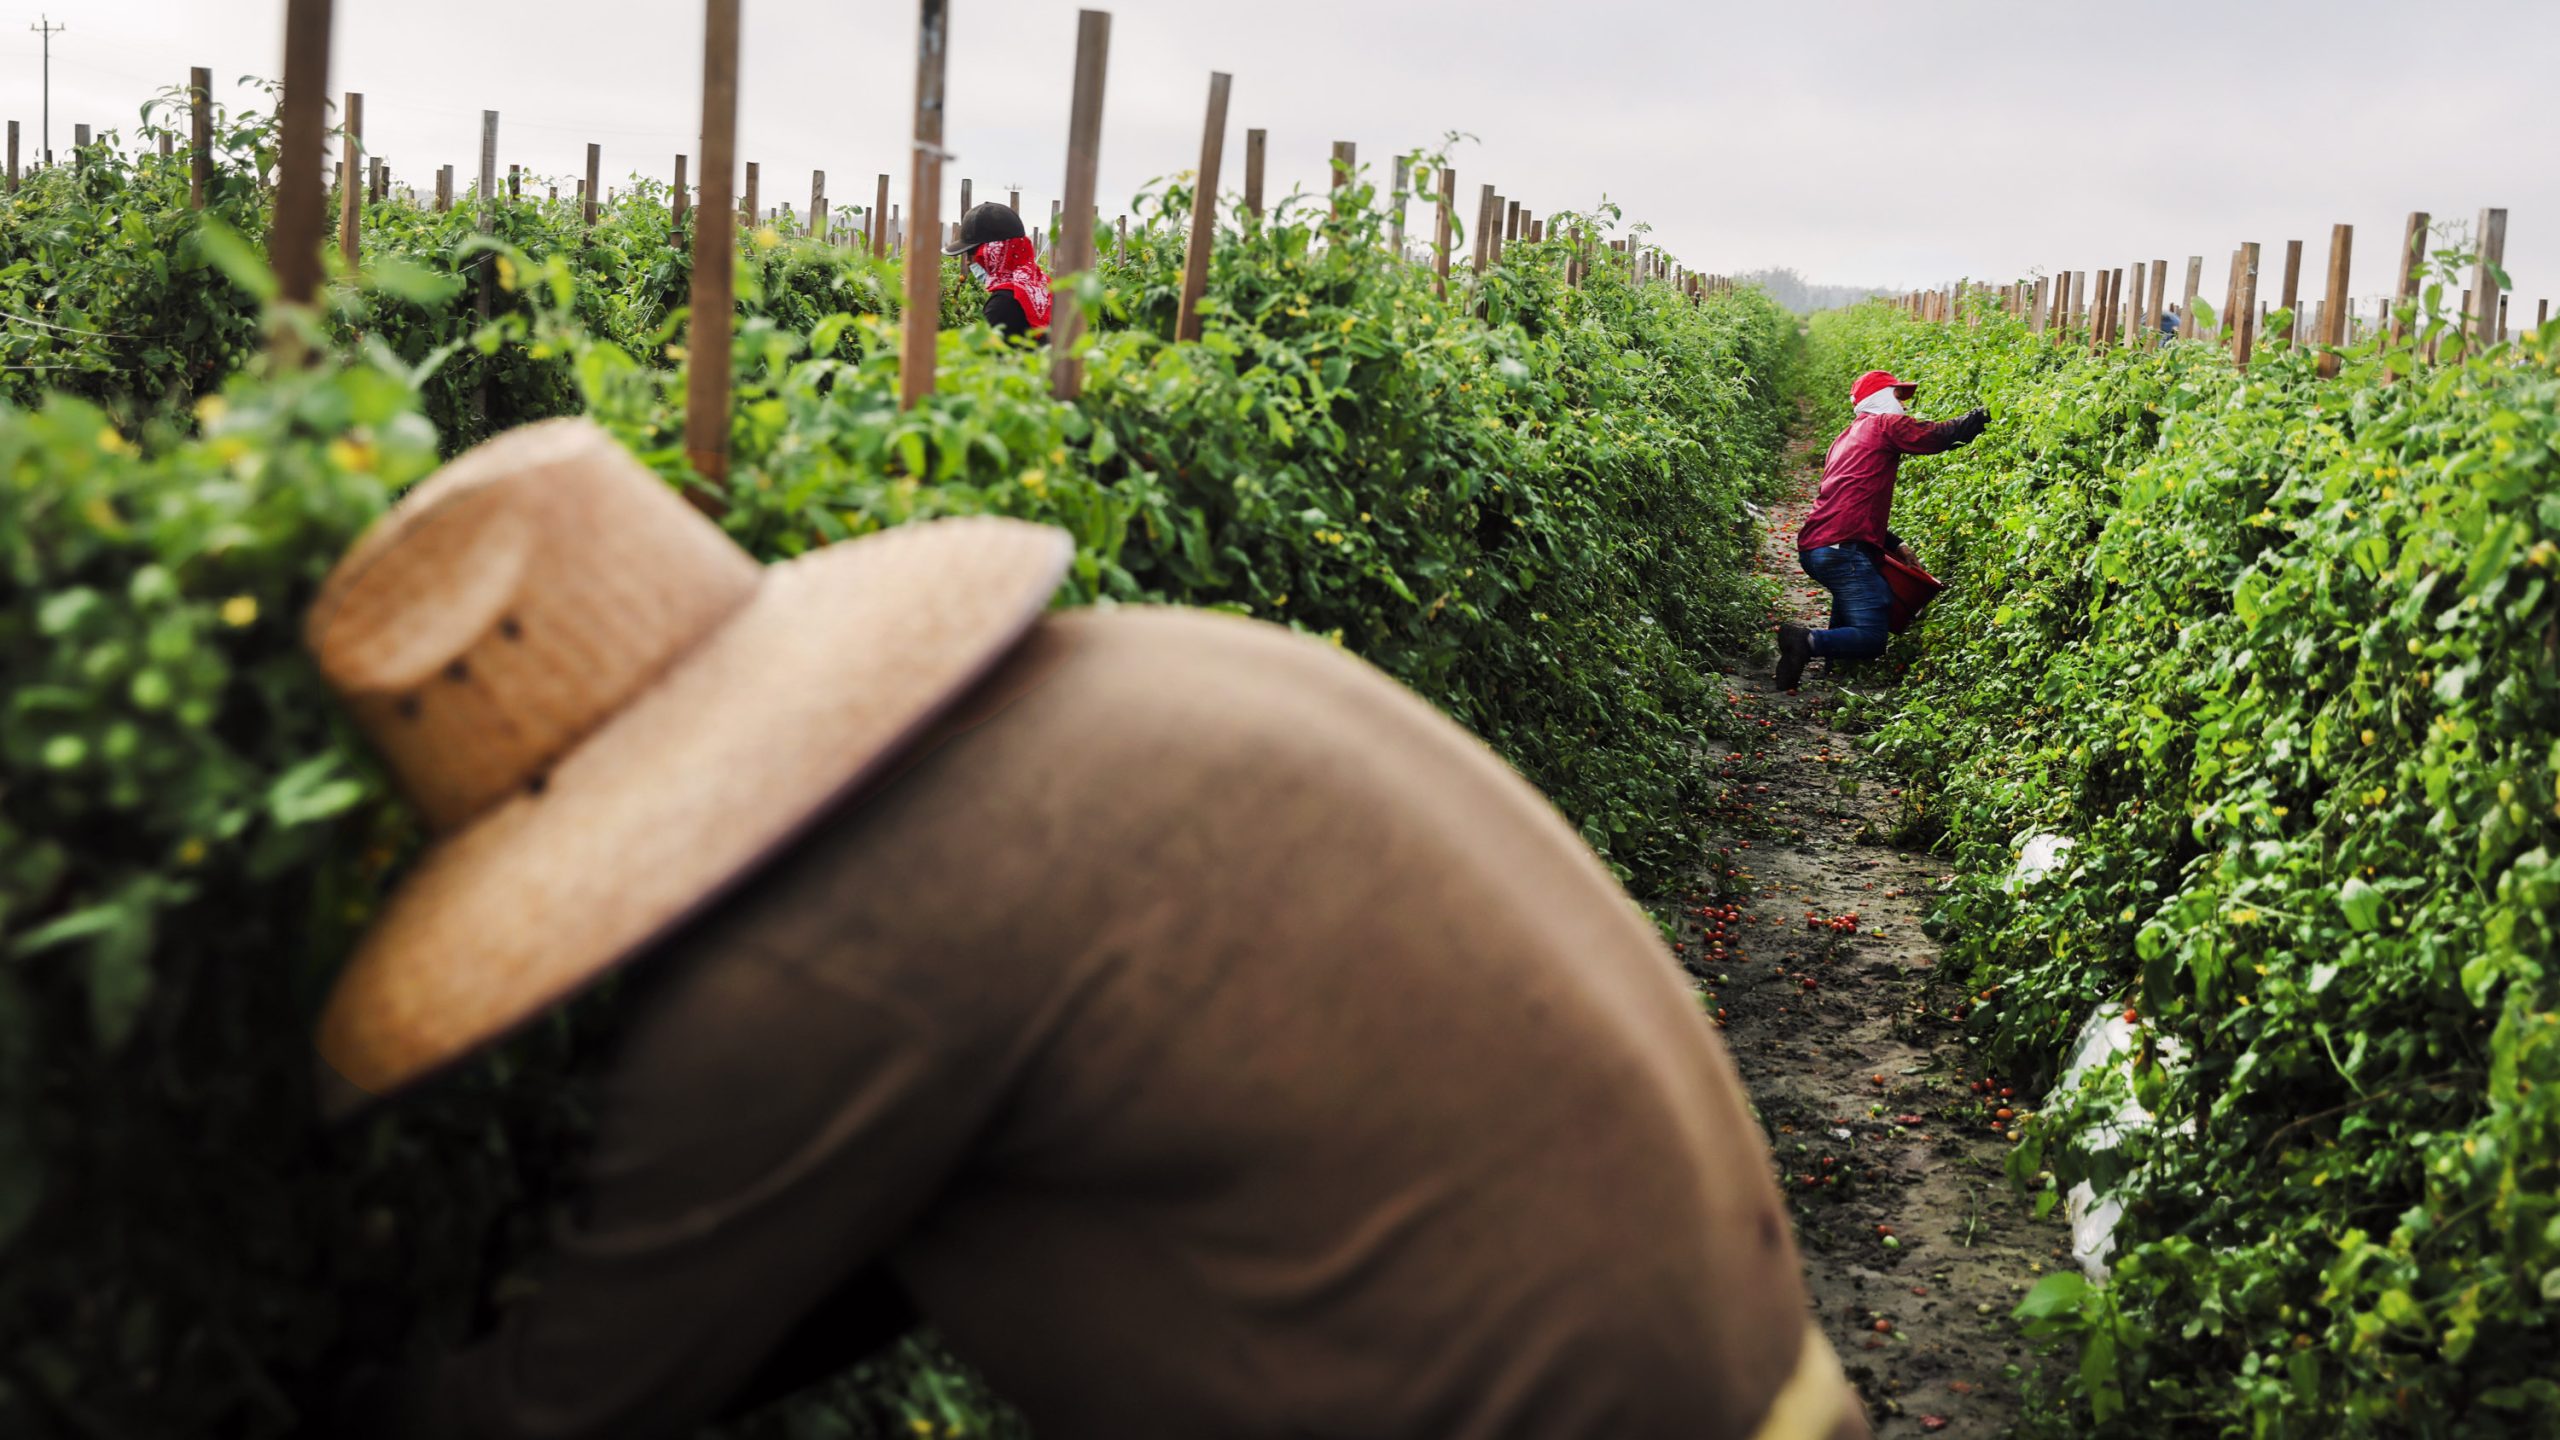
{"points": [[293, 240], [1483, 227], [2246, 331], [2159, 304], [968, 193], [595, 163], [1075, 238], [2035, 319], [2486, 319], [880, 222], [1204, 208], [923, 313], [2413, 264], [714, 299], [2333, 330], [350, 207], [2291, 295], [2187, 307], [677, 205], [1346, 159], [1395, 222], [2230, 319], [199, 139], [13, 159], [1440, 228], [1254, 141], [753, 203], [816, 227]]}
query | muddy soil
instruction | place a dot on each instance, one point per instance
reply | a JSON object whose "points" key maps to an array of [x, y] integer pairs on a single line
{"points": [[1806, 932]]}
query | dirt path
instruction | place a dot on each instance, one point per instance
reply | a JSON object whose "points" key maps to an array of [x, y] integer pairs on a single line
{"points": [[1915, 1246]]}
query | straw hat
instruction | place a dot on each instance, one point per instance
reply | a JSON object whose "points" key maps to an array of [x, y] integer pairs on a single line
{"points": [[608, 714]]}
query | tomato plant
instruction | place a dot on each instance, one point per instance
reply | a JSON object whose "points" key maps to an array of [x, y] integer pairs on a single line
{"points": [[2282, 656]]}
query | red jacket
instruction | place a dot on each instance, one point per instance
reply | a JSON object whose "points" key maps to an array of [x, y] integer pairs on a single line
{"points": [[1856, 496]]}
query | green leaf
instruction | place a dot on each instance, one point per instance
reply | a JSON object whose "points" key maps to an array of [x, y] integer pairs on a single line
{"points": [[2361, 903], [313, 790], [237, 259], [2061, 1291]]}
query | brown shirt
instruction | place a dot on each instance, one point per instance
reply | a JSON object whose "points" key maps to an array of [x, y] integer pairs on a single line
{"points": [[1212, 1040]]}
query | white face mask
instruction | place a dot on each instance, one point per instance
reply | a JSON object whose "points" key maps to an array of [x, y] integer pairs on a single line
{"points": [[1883, 402], [979, 273]]}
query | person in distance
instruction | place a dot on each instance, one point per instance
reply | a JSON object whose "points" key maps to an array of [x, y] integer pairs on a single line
{"points": [[1003, 259], [1844, 537], [1207, 1036]]}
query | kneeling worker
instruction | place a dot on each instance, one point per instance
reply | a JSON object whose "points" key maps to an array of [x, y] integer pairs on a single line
{"points": [[1846, 532], [1203, 1033], [1004, 260]]}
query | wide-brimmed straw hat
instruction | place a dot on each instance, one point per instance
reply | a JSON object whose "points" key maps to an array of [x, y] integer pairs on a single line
{"points": [[609, 714]]}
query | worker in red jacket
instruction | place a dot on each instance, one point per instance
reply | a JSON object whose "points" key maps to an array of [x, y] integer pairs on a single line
{"points": [[1004, 259], [1845, 537]]}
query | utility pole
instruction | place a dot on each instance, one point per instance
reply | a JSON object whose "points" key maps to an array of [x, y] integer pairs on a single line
{"points": [[44, 26]]}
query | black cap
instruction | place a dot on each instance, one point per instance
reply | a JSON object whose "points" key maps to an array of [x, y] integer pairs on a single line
{"points": [[986, 224]]}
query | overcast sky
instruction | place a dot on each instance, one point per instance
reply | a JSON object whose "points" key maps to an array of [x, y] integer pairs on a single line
{"points": [[1859, 142]]}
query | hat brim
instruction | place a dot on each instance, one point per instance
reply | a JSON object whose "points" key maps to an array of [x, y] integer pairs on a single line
{"points": [[840, 661]]}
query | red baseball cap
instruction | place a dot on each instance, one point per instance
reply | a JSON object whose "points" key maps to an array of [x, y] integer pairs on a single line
{"points": [[1875, 380]]}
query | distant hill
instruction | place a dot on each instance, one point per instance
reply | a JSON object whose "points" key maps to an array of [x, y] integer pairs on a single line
{"points": [[1803, 296]]}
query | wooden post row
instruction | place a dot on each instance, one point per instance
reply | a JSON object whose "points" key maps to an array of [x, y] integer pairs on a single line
{"points": [[1395, 223], [199, 139], [350, 206], [2245, 324], [293, 238], [2333, 329], [922, 316], [1442, 217], [714, 297], [2291, 296], [1204, 208], [1075, 230], [1254, 141], [2487, 318]]}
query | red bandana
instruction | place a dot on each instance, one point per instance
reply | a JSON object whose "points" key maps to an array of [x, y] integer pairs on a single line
{"points": [[1015, 265]]}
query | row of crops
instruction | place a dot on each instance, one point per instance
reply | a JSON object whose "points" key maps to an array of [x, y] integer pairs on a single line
{"points": [[2281, 658], [1525, 501]]}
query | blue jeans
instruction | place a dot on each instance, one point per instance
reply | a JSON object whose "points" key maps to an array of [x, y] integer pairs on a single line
{"points": [[1861, 603]]}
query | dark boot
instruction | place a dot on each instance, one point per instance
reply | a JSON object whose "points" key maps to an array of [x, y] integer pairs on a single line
{"points": [[1795, 647]]}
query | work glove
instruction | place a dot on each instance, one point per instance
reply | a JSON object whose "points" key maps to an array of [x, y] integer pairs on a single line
{"points": [[1972, 423]]}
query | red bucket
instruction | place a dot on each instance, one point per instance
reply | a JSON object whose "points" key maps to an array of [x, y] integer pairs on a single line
{"points": [[1913, 588]]}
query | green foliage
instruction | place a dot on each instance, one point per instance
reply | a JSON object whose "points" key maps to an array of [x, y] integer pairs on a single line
{"points": [[2283, 656], [1532, 516]]}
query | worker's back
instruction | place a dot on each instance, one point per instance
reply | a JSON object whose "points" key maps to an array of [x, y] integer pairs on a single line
{"points": [[1231, 1046]]}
